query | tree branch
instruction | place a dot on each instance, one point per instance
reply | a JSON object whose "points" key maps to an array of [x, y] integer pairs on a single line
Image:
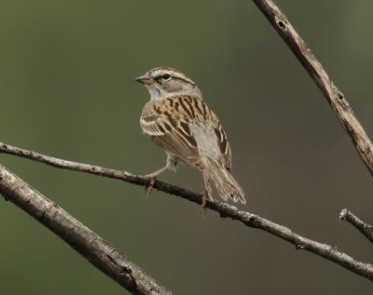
{"points": [[365, 228], [334, 96], [77, 235], [224, 209]]}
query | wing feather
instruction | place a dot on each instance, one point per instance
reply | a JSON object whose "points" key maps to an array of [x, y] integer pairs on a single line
{"points": [[167, 121]]}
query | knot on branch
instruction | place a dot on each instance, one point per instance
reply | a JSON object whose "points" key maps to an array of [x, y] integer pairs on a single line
{"points": [[282, 23]]}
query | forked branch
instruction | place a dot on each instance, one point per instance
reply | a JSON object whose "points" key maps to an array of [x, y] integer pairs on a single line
{"points": [[224, 209]]}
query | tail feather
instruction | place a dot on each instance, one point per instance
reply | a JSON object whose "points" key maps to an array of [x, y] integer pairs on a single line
{"points": [[226, 185]]}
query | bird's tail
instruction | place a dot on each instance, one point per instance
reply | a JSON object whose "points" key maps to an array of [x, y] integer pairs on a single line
{"points": [[226, 185]]}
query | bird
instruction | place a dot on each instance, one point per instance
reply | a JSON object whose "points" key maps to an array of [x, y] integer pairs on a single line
{"points": [[179, 121]]}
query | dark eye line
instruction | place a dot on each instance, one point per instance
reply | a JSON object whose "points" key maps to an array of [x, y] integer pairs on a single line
{"points": [[187, 81], [159, 78], [163, 76]]}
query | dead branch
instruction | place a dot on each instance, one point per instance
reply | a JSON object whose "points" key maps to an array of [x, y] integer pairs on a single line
{"points": [[333, 95], [363, 227], [224, 209], [81, 238]]}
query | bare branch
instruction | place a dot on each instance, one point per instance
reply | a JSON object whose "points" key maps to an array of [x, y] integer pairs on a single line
{"points": [[77, 235], [224, 209], [365, 228], [334, 96]]}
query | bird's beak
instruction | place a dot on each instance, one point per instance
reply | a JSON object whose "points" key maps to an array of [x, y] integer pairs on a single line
{"points": [[145, 79]]}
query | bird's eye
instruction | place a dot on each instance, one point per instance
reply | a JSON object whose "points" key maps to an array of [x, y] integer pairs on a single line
{"points": [[166, 77]]}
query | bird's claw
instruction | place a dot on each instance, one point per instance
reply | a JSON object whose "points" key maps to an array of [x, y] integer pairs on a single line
{"points": [[149, 187], [203, 209]]}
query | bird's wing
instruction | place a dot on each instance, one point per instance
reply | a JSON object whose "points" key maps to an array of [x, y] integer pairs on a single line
{"points": [[167, 121], [223, 142]]}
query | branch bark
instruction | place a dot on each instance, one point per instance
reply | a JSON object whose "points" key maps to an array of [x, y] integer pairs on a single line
{"points": [[81, 238], [224, 209], [333, 95], [363, 227]]}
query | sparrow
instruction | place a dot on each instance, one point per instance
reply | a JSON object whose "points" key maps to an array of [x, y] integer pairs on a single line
{"points": [[179, 121]]}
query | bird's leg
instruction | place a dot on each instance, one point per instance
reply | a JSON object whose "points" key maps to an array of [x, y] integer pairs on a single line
{"points": [[170, 164], [207, 193], [155, 174]]}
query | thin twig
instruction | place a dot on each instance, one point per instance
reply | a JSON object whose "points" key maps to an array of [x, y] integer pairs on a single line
{"points": [[334, 96], [81, 238], [224, 209], [363, 227]]}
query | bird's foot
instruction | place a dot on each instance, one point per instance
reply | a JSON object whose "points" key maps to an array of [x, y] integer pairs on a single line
{"points": [[152, 179], [149, 187], [205, 196]]}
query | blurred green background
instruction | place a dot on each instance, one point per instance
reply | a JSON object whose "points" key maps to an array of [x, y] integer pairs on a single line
{"points": [[67, 89]]}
